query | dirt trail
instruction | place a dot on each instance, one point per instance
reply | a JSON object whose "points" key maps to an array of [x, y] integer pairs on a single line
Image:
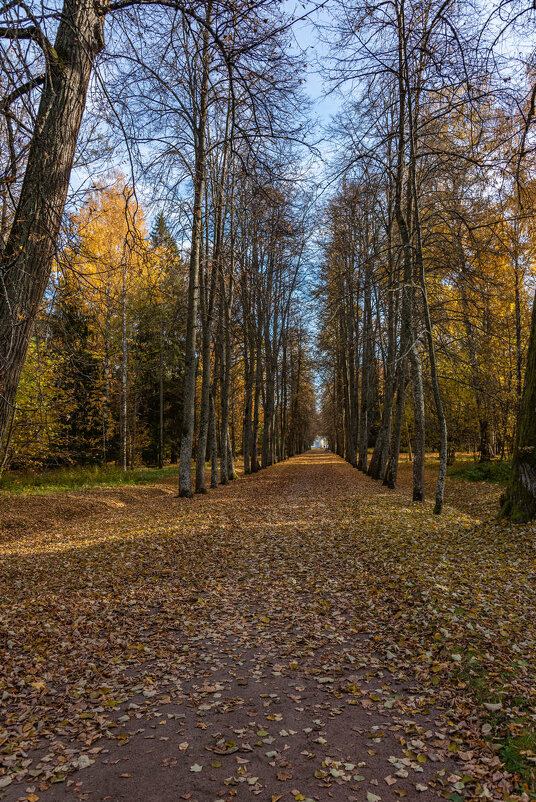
{"points": [[228, 647]]}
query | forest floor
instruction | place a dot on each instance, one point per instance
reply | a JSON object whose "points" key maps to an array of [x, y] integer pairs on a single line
{"points": [[300, 634]]}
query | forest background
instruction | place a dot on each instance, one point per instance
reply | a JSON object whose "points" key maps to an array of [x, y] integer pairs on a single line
{"points": [[250, 277]]}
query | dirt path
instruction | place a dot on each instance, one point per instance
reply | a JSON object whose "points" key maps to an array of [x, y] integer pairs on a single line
{"points": [[236, 645]]}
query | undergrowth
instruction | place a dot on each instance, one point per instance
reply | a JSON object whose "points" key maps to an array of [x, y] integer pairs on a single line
{"points": [[495, 472], [80, 478]]}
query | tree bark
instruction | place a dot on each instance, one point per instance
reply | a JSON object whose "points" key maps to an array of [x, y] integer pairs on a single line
{"points": [[380, 455], [124, 368], [520, 499], [248, 402], [161, 397], [366, 368], [27, 257], [190, 363], [391, 470], [256, 407], [213, 444], [440, 489], [204, 417]]}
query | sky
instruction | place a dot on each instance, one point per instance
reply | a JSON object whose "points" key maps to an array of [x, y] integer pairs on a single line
{"points": [[314, 51]]}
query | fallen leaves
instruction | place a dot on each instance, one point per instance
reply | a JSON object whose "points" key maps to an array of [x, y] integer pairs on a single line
{"points": [[371, 604], [373, 797]]}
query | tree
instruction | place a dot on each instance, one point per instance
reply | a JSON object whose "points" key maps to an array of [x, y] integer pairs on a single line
{"points": [[61, 71], [520, 498], [30, 246]]}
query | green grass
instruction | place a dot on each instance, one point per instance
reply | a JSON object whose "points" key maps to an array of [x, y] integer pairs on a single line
{"points": [[495, 472], [80, 478], [517, 750], [519, 753]]}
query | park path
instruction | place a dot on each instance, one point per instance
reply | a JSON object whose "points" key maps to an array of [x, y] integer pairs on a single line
{"points": [[228, 647]]}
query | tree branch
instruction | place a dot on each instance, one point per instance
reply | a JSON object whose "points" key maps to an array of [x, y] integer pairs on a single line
{"points": [[21, 90], [34, 34]]}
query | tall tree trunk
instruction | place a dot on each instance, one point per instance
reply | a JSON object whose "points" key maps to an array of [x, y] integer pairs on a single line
{"points": [[440, 489], [380, 455], [408, 293], [419, 421], [161, 398], [248, 404], [26, 260], [133, 432], [190, 365], [227, 471], [4, 451], [267, 434], [204, 418], [124, 368], [366, 368], [353, 397], [518, 280], [106, 378], [349, 454], [213, 444], [476, 380], [391, 470], [256, 407], [207, 290], [269, 400], [231, 473], [520, 498], [282, 451]]}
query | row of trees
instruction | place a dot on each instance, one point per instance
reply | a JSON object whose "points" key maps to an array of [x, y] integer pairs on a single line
{"points": [[104, 376], [427, 237], [146, 347], [428, 256]]}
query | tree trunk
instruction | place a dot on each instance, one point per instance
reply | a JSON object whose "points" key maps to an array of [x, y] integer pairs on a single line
{"points": [[391, 470], [402, 218], [124, 369], [380, 455], [227, 471], [366, 368], [207, 290], [106, 379], [442, 420], [27, 257], [520, 498], [248, 405], [267, 434], [518, 281], [213, 444], [204, 418], [256, 409], [231, 473], [190, 365], [161, 397]]}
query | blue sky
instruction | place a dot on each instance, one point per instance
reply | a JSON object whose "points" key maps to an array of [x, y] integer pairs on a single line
{"points": [[314, 51]]}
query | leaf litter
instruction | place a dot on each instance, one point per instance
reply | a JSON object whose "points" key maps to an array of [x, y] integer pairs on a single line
{"points": [[319, 636]]}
